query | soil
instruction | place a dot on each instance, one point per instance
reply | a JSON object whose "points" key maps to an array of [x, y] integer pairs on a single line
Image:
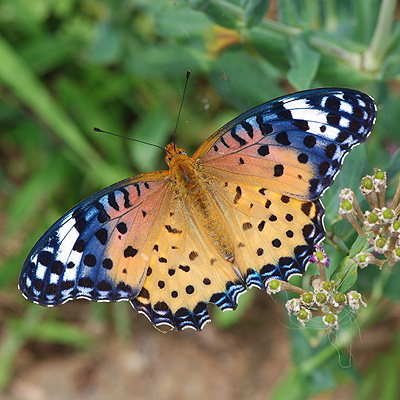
{"points": [[243, 362]]}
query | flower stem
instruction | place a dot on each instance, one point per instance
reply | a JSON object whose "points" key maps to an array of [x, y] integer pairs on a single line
{"points": [[376, 52]]}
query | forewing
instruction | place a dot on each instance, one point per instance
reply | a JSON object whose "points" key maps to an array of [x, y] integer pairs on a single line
{"points": [[294, 145], [99, 249]]}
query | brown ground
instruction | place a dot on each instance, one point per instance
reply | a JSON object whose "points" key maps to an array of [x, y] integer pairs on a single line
{"points": [[241, 363]]}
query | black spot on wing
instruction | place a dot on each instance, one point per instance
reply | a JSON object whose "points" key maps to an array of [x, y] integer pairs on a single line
{"points": [[265, 128], [130, 252], [79, 246], [285, 115], [333, 119], [301, 125], [238, 194], [309, 141], [222, 140], [127, 203], [248, 128], [263, 150], [283, 139], [112, 201], [122, 228], [302, 158], [278, 170], [107, 263], [172, 230], [236, 137], [102, 236], [137, 186], [333, 103]]}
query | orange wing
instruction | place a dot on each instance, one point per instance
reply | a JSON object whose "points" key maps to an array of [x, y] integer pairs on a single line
{"points": [[99, 249]]}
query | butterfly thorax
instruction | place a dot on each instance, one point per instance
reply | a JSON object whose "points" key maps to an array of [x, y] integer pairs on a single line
{"points": [[193, 187], [184, 171]]}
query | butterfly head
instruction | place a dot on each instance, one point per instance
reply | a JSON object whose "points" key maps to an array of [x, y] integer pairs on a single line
{"points": [[172, 152]]}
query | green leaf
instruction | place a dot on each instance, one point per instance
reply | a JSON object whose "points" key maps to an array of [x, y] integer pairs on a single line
{"points": [[222, 12], [254, 11], [288, 12], [345, 274], [182, 24], [28, 201], [341, 228], [244, 90], [355, 166], [392, 170], [359, 245], [367, 12], [47, 53], [107, 44], [161, 61], [392, 287], [304, 63], [272, 46], [60, 332], [29, 89], [15, 338], [159, 122]]}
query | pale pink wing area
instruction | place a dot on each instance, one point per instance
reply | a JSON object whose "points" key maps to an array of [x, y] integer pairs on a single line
{"points": [[294, 145]]}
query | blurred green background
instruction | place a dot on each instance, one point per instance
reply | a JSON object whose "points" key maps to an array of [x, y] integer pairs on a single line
{"points": [[67, 66]]}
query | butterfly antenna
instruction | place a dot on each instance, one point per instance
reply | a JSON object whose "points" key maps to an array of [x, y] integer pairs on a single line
{"points": [[128, 138], [180, 108]]}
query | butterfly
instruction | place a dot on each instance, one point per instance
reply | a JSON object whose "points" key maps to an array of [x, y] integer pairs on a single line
{"points": [[243, 210]]}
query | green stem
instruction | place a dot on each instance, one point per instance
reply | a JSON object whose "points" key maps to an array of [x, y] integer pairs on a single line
{"points": [[376, 52], [279, 28], [318, 43], [327, 47]]}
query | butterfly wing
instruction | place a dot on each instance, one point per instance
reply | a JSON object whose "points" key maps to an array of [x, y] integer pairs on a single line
{"points": [[98, 250], [271, 164], [140, 240], [266, 170], [273, 234], [186, 273], [294, 145]]}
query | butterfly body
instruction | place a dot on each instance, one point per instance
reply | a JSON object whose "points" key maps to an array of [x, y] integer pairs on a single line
{"points": [[243, 210], [194, 187]]}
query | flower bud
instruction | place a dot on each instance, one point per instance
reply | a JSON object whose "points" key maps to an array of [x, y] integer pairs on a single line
{"points": [[307, 299], [381, 244], [354, 299], [321, 299], [273, 286], [331, 321], [303, 316], [293, 306], [371, 220]]}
